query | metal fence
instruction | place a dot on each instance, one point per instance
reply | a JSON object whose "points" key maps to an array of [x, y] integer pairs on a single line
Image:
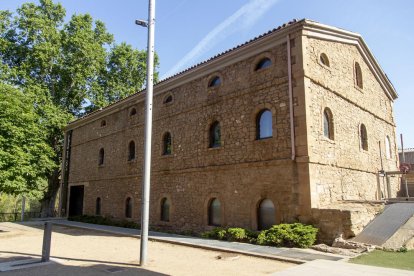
{"points": [[17, 216]]}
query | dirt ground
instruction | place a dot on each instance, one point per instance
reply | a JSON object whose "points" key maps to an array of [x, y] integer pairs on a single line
{"points": [[85, 252]]}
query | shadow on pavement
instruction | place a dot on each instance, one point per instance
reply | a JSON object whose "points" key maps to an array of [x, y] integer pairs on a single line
{"points": [[29, 256], [54, 269]]}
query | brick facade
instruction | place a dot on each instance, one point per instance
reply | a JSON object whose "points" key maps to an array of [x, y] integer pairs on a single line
{"points": [[315, 175]]}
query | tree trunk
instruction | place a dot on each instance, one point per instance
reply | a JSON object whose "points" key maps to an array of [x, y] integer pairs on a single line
{"points": [[49, 199]]}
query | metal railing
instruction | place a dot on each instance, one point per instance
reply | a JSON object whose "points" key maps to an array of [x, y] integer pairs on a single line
{"points": [[17, 216]]}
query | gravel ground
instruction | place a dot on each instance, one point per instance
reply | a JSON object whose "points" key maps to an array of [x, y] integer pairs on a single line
{"points": [[86, 252]]}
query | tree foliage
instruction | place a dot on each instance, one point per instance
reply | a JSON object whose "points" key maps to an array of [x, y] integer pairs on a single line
{"points": [[67, 69], [26, 159]]}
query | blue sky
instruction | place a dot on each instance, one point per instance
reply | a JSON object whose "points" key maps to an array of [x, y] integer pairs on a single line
{"points": [[189, 31]]}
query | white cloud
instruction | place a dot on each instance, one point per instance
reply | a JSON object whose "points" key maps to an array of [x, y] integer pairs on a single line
{"points": [[242, 19]]}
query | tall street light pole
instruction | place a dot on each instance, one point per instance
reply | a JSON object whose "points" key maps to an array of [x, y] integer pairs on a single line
{"points": [[145, 195]]}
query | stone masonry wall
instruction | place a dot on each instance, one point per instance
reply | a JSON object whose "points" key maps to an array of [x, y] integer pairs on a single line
{"points": [[243, 170], [339, 168], [240, 173], [346, 220]]}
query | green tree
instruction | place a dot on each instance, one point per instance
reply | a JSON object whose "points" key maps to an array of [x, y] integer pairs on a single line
{"points": [[70, 68], [26, 159]]}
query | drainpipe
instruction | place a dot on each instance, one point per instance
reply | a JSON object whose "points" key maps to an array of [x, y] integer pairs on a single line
{"points": [[292, 125]]}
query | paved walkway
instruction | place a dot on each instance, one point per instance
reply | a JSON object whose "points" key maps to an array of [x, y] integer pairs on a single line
{"points": [[294, 255], [324, 267], [312, 262]]}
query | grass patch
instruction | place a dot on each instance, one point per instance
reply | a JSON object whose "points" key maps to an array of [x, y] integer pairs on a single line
{"points": [[399, 260]]}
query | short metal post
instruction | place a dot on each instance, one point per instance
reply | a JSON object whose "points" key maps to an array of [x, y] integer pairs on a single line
{"points": [[23, 207], [47, 236]]}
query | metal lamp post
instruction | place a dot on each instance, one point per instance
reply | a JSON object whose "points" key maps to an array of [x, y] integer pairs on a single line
{"points": [[148, 131]]}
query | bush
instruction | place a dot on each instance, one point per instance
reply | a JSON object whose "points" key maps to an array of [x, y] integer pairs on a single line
{"points": [[290, 235], [217, 233], [236, 234]]}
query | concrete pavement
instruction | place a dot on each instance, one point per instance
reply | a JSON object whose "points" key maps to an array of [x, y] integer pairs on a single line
{"points": [[294, 255], [324, 267]]}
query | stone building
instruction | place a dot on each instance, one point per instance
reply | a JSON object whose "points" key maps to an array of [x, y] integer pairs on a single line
{"points": [[286, 127]]}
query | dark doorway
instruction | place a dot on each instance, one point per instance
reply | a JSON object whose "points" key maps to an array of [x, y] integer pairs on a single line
{"points": [[76, 201]]}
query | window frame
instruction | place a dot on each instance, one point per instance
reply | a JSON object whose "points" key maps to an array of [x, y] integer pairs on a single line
{"points": [[131, 150], [101, 157], [260, 224], [324, 60], [215, 82], [98, 206], [363, 136], [133, 112], [168, 99], [259, 124], [211, 212], [388, 151], [165, 217], [359, 80], [213, 141], [328, 128], [167, 144], [128, 207], [263, 63]]}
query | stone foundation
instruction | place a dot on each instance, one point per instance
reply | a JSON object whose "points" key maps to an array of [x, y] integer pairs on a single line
{"points": [[345, 219]]}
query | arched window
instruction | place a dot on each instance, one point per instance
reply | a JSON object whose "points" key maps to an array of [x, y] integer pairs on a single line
{"points": [[131, 151], [128, 207], [263, 63], [133, 112], [266, 214], [98, 207], [215, 135], [358, 75], [166, 144], [328, 127], [324, 59], [215, 81], [101, 156], [264, 124], [364, 137], [214, 212], [103, 123], [387, 147], [168, 99], [165, 209]]}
